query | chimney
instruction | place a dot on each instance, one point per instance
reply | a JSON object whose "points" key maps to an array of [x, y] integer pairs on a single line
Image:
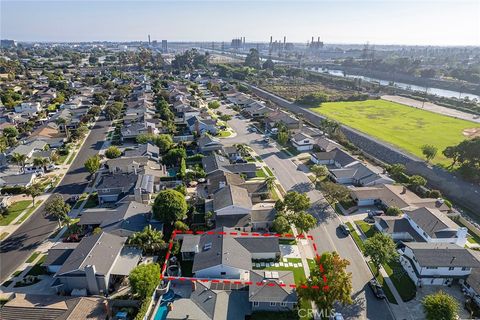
{"points": [[91, 279], [404, 190]]}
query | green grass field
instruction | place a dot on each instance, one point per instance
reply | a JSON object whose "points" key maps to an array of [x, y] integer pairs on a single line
{"points": [[403, 126]]}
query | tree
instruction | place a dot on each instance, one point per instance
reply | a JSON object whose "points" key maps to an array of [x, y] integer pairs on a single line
{"points": [[282, 137], [93, 60], [214, 104], [92, 164], [338, 287], [170, 206], [34, 191], [19, 159], [467, 153], [268, 64], [393, 211], [270, 182], [381, 249], [149, 240], [319, 171], [114, 110], [417, 181], [304, 221], [281, 224], [293, 202], [144, 279], [429, 151], [40, 162], [112, 152], [174, 156], [10, 132], [253, 59], [58, 208], [397, 170], [164, 142], [334, 192], [180, 225], [440, 306]]}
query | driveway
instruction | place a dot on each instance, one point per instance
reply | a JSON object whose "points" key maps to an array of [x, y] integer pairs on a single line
{"points": [[33, 232], [327, 234]]}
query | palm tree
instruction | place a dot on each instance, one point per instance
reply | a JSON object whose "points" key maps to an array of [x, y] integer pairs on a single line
{"points": [[41, 162], [19, 159], [270, 182], [149, 240]]}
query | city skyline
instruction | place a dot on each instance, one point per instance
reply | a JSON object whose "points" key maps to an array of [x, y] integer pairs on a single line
{"points": [[449, 23]]}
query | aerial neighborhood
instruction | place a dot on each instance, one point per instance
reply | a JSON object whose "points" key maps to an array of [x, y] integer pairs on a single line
{"points": [[140, 182]]}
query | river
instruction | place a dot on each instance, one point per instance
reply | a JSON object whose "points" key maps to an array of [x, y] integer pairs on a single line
{"points": [[406, 86]]}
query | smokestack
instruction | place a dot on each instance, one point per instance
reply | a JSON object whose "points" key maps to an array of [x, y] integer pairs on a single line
{"points": [[284, 39], [271, 39], [318, 39], [312, 39], [148, 39]]}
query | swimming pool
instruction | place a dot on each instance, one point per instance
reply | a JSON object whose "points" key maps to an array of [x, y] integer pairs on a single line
{"points": [[162, 310]]}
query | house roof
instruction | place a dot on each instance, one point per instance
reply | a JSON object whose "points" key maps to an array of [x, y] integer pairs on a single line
{"points": [[216, 178], [442, 255], [53, 307], [356, 171], [231, 195], [126, 161], [299, 137], [393, 225], [18, 179], [271, 291], [223, 248], [58, 254], [100, 250], [435, 223], [123, 180], [337, 155], [142, 150], [25, 149], [397, 196], [208, 141], [233, 221]]}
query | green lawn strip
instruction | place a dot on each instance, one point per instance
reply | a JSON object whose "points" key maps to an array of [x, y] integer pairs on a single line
{"points": [[13, 211], [274, 194], [405, 286], [269, 171], [258, 159], [224, 134], [33, 257], [291, 242], [381, 281], [355, 236], [16, 273], [61, 159], [471, 240], [367, 229], [260, 173], [72, 157], [298, 273], [29, 212], [3, 235], [38, 269], [401, 125]]}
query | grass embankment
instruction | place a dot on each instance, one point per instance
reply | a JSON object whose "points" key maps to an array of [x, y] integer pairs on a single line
{"points": [[403, 126]]}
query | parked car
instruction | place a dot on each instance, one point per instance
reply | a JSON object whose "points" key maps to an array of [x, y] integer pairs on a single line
{"points": [[345, 229], [377, 289], [375, 213], [337, 316], [369, 220]]}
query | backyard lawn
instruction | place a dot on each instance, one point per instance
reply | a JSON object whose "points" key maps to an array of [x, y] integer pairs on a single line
{"points": [[13, 211], [406, 127], [298, 273]]}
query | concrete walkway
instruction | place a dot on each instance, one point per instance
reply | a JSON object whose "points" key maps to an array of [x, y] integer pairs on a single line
{"points": [[400, 309]]}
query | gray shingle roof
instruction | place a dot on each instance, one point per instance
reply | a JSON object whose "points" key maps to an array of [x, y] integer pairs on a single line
{"points": [[268, 293], [442, 255], [434, 223], [338, 155], [231, 195], [99, 250]]}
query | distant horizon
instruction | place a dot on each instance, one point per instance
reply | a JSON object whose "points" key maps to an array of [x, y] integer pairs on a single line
{"points": [[446, 23]]}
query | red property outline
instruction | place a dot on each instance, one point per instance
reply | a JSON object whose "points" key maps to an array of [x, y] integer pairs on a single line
{"points": [[230, 281]]}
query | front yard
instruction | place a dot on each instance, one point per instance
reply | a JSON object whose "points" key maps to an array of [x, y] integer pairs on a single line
{"points": [[14, 211]]}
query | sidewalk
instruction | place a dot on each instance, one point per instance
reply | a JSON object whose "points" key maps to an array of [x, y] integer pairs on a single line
{"points": [[400, 309]]}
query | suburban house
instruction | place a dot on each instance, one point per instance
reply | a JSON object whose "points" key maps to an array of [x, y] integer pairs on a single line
{"points": [[131, 131], [127, 164], [271, 295], [422, 225], [217, 162], [278, 117], [96, 265], [144, 150], [207, 143], [302, 141], [58, 254], [231, 200], [325, 144], [358, 174], [113, 187], [256, 110], [335, 157], [40, 306], [124, 220], [437, 263], [28, 149], [222, 255], [18, 180], [389, 195], [200, 125], [28, 107], [206, 300]]}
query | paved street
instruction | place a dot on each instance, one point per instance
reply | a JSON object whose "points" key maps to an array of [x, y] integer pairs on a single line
{"points": [[327, 235], [22, 243]]}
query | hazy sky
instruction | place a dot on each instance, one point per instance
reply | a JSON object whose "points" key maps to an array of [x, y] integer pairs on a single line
{"points": [[437, 22]]}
